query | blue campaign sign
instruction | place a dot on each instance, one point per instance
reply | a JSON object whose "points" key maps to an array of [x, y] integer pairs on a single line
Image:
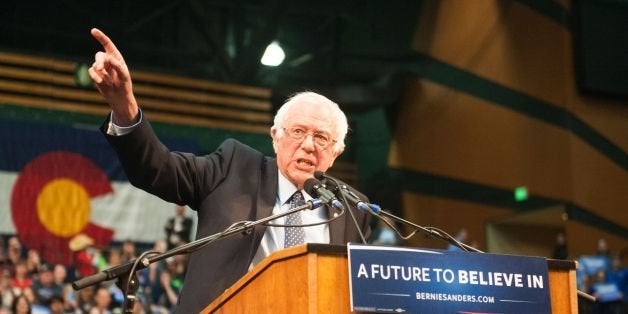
{"points": [[394, 279]]}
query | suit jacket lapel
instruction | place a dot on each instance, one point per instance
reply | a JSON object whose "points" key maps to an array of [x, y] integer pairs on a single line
{"points": [[266, 201], [336, 227], [267, 194]]}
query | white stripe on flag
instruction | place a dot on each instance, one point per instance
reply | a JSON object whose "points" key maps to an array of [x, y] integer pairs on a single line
{"points": [[132, 213], [7, 180]]}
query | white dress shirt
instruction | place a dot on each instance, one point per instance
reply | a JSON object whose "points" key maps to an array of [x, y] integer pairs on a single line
{"points": [[273, 239]]}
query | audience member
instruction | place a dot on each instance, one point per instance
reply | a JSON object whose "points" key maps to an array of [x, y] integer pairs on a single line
{"points": [[3, 255], [608, 295], [44, 286], [33, 262], [152, 284], [114, 257], [618, 275], [171, 280], [461, 237], [84, 261], [102, 301], [59, 273], [602, 249], [178, 228], [6, 291], [21, 305], [85, 300], [21, 280], [383, 234], [560, 249], [128, 251], [56, 305], [14, 253]]}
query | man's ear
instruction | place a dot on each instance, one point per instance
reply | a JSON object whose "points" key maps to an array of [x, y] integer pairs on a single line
{"points": [[335, 155], [273, 135]]}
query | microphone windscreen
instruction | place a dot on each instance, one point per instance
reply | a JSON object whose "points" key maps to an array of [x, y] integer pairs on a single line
{"points": [[319, 175], [309, 185]]}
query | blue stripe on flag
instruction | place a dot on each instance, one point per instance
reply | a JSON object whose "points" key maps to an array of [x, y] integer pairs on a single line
{"points": [[20, 142]]}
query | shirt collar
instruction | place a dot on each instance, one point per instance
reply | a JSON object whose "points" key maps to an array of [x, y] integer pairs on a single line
{"points": [[286, 188]]}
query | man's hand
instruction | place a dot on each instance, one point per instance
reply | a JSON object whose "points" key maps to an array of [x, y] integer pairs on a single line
{"points": [[113, 80]]}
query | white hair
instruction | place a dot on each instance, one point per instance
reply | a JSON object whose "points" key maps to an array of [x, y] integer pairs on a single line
{"points": [[340, 124]]}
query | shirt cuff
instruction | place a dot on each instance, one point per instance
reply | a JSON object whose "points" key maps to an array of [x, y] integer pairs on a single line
{"points": [[115, 130]]}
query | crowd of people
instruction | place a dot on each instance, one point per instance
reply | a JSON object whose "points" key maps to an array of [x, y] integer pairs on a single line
{"points": [[603, 276], [29, 284]]}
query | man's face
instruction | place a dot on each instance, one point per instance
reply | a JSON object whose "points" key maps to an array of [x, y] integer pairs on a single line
{"points": [[46, 277], [298, 160], [180, 211], [59, 273], [102, 298]]}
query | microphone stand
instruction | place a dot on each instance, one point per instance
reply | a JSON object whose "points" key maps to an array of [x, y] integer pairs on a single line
{"points": [[428, 231], [346, 204], [129, 268], [376, 210]]}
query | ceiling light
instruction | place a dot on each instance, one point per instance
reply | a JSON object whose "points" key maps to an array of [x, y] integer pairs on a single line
{"points": [[273, 55]]}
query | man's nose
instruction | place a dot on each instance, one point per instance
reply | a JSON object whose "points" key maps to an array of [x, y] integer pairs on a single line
{"points": [[308, 142]]}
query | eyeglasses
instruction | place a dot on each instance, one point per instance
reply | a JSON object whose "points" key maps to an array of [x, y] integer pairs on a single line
{"points": [[322, 140]]}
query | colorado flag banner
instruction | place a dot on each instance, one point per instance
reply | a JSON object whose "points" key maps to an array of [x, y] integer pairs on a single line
{"points": [[58, 181]]}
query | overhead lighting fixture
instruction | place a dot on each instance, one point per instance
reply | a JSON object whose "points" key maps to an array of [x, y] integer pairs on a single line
{"points": [[273, 55]]}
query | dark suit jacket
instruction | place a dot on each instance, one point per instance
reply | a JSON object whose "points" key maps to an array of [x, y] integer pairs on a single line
{"points": [[232, 184]]}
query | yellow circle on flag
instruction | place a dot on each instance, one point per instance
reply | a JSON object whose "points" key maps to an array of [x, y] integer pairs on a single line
{"points": [[63, 207]]}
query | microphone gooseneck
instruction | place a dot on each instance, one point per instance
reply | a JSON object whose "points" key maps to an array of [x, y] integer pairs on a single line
{"points": [[376, 210], [315, 187], [239, 227], [348, 195], [322, 175]]}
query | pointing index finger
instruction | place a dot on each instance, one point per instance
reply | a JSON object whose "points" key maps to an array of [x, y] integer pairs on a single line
{"points": [[106, 43]]}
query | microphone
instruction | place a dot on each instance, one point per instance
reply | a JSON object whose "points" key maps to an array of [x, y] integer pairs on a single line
{"points": [[377, 211], [108, 274], [349, 195], [316, 188], [357, 202], [322, 175]]}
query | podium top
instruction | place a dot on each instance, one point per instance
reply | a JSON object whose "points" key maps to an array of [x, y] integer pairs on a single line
{"points": [[553, 264], [557, 264]]}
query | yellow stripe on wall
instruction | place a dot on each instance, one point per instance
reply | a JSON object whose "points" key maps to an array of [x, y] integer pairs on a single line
{"points": [[449, 215], [598, 184], [502, 41], [459, 136]]}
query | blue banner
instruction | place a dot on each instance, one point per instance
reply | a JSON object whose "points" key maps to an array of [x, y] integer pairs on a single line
{"points": [[393, 279]]}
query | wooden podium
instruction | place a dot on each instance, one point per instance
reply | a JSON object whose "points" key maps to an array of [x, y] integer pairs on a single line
{"points": [[314, 278]]}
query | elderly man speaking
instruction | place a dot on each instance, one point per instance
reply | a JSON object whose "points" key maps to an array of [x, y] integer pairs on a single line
{"points": [[232, 184]]}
